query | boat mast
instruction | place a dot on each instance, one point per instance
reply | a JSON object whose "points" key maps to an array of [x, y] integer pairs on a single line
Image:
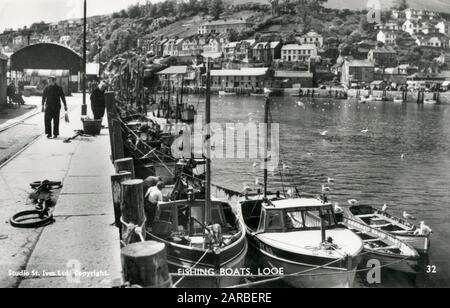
{"points": [[266, 144], [208, 148]]}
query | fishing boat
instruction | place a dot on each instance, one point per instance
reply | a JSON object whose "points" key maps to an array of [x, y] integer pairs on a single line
{"points": [[203, 237], [302, 236], [430, 102], [389, 250], [398, 100], [402, 229], [226, 93]]}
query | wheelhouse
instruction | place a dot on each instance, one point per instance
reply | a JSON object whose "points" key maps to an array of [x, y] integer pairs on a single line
{"points": [[288, 215]]}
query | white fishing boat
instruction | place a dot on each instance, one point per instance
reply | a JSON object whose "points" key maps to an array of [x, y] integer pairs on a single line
{"points": [[402, 229], [226, 93], [398, 100], [302, 237], [430, 102], [389, 250]]}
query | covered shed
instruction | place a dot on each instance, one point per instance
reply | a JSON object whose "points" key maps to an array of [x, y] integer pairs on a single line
{"points": [[48, 57], [3, 79]]}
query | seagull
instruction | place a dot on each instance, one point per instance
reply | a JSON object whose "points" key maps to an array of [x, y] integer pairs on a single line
{"points": [[324, 133], [425, 229], [325, 188], [285, 167], [352, 202], [365, 131], [330, 180], [289, 193], [258, 182], [408, 216], [384, 208], [402, 156], [337, 208], [255, 165], [301, 104], [309, 154], [247, 188]]}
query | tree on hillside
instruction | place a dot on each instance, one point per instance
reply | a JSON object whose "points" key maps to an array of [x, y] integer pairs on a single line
{"points": [[215, 8], [134, 11], [401, 5]]}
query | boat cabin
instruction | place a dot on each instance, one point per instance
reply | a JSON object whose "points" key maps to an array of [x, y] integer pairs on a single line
{"points": [[288, 215], [186, 219]]}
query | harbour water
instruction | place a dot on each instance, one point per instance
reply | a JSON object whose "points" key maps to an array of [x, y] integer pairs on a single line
{"points": [[367, 166]]}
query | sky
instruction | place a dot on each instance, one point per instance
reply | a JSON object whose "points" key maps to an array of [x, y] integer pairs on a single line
{"points": [[19, 13]]}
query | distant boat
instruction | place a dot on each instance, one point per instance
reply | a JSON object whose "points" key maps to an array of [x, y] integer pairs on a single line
{"points": [[398, 100], [430, 102], [226, 93], [388, 249], [366, 99], [398, 227]]}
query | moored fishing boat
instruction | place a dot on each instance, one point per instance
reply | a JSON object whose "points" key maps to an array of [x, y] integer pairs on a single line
{"points": [[402, 229], [398, 100], [302, 236], [430, 102], [226, 93], [389, 250]]}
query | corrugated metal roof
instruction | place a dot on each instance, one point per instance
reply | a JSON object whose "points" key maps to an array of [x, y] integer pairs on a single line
{"points": [[174, 70], [242, 72], [293, 74]]}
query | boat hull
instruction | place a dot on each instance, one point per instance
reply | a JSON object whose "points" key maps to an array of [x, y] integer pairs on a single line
{"points": [[395, 263], [314, 275], [420, 243]]}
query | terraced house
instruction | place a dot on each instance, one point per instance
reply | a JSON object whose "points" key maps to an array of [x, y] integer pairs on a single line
{"points": [[298, 53], [223, 26], [173, 47]]}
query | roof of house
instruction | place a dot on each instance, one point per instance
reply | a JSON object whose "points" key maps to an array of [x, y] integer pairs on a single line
{"points": [[174, 70], [360, 63], [265, 44], [311, 34], [293, 74], [252, 71], [298, 47]]}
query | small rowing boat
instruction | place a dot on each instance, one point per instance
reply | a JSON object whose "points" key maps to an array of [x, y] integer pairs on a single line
{"points": [[226, 93], [398, 100], [402, 229], [430, 102], [389, 250]]}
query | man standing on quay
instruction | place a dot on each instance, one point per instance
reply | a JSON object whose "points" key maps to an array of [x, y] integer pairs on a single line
{"points": [[98, 101], [51, 105]]}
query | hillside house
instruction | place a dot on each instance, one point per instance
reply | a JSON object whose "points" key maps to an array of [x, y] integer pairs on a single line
{"points": [[383, 57], [357, 71], [311, 37], [249, 78], [387, 37], [296, 52], [223, 26]]}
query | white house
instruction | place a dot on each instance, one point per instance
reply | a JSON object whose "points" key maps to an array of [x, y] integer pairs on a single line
{"points": [[390, 26], [420, 14], [387, 37], [443, 27], [437, 41], [311, 37], [296, 52], [411, 26], [223, 26]]}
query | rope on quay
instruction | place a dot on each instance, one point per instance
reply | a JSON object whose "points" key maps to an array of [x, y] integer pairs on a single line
{"points": [[132, 228]]}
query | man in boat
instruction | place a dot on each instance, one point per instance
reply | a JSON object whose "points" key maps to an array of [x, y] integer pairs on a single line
{"points": [[154, 196], [51, 105], [98, 101]]}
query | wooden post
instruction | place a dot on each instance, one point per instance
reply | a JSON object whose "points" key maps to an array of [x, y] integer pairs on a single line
{"points": [[125, 165], [132, 208], [116, 181], [145, 264], [111, 112], [117, 140]]}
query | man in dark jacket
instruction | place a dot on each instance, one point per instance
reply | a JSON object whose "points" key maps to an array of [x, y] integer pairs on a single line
{"points": [[51, 105], [98, 101]]}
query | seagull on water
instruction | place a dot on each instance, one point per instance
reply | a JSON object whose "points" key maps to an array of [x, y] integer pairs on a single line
{"points": [[255, 165], [408, 216], [285, 167], [365, 131], [402, 156], [325, 188], [258, 182], [330, 180], [289, 193], [247, 188], [301, 104], [352, 202], [384, 208], [309, 154], [324, 133]]}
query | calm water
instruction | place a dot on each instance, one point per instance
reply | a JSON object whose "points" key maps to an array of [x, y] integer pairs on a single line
{"points": [[366, 166]]}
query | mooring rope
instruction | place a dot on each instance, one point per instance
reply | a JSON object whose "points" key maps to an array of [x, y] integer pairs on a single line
{"points": [[191, 268], [132, 229]]}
